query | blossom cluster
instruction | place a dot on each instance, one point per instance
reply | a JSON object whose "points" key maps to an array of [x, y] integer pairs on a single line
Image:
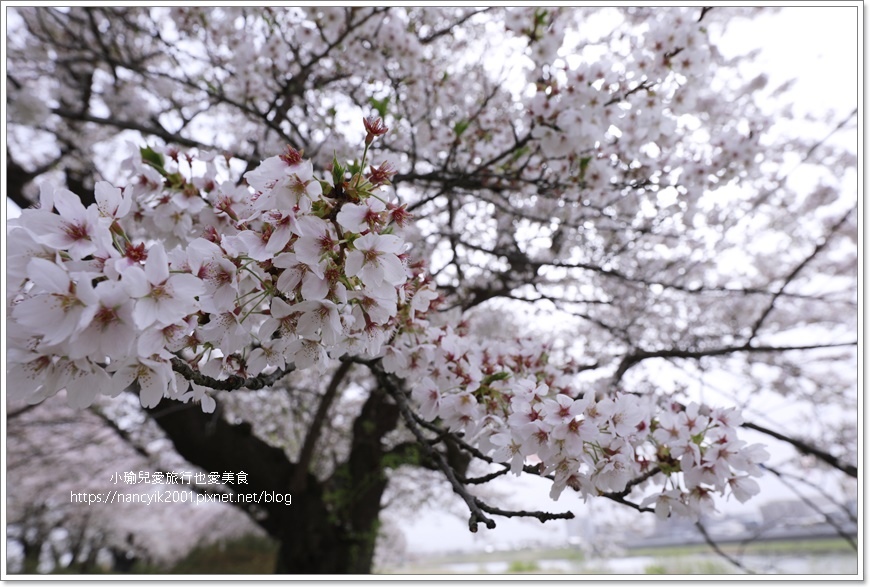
{"points": [[291, 271], [509, 400], [283, 273]]}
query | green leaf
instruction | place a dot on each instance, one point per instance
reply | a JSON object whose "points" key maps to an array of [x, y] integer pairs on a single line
{"points": [[152, 158], [338, 172], [460, 127], [500, 376], [584, 165], [354, 167], [380, 105]]}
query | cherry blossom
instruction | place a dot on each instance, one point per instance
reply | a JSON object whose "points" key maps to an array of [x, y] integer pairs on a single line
{"points": [[272, 285], [162, 298]]}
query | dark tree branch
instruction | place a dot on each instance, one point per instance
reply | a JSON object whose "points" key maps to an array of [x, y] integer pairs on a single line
{"points": [[807, 449], [233, 382], [169, 137], [395, 391], [213, 444], [632, 359], [634, 483], [17, 178], [20, 411], [304, 463], [449, 29], [542, 516]]}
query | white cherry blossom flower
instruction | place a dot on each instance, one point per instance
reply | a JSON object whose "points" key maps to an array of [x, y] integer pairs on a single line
{"points": [[112, 203], [358, 218], [374, 259], [508, 450], [78, 230], [155, 378], [111, 332], [312, 277], [319, 321], [58, 307], [162, 298]]}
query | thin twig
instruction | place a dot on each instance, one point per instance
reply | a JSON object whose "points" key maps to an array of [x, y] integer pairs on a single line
{"points": [[712, 544], [807, 449], [542, 516], [477, 515]]}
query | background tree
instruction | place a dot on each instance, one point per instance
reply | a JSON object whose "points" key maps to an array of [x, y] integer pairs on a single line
{"points": [[611, 172], [55, 451]]}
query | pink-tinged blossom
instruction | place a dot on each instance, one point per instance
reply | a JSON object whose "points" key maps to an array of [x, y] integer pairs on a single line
{"points": [[83, 381], [422, 300], [282, 319], [626, 416], [563, 409], [726, 417], [319, 321], [305, 354], [189, 391], [700, 501], [58, 307], [508, 450], [536, 441], [270, 353], [378, 304], [219, 275], [666, 502], [460, 411], [226, 332], [573, 434], [748, 458], [21, 247], [358, 218], [162, 298], [374, 260], [111, 332], [155, 378], [31, 376], [702, 473], [112, 202], [428, 397], [527, 391], [523, 417], [162, 342], [670, 432], [318, 242], [312, 277], [259, 245], [283, 186], [567, 474], [692, 421], [616, 469], [743, 488], [75, 229]]}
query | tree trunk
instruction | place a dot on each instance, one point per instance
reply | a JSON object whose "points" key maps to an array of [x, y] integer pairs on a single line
{"points": [[32, 551], [331, 526], [336, 528]]}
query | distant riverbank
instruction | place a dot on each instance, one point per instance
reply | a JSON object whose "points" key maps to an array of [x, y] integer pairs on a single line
{"points": [[798, 557]]}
